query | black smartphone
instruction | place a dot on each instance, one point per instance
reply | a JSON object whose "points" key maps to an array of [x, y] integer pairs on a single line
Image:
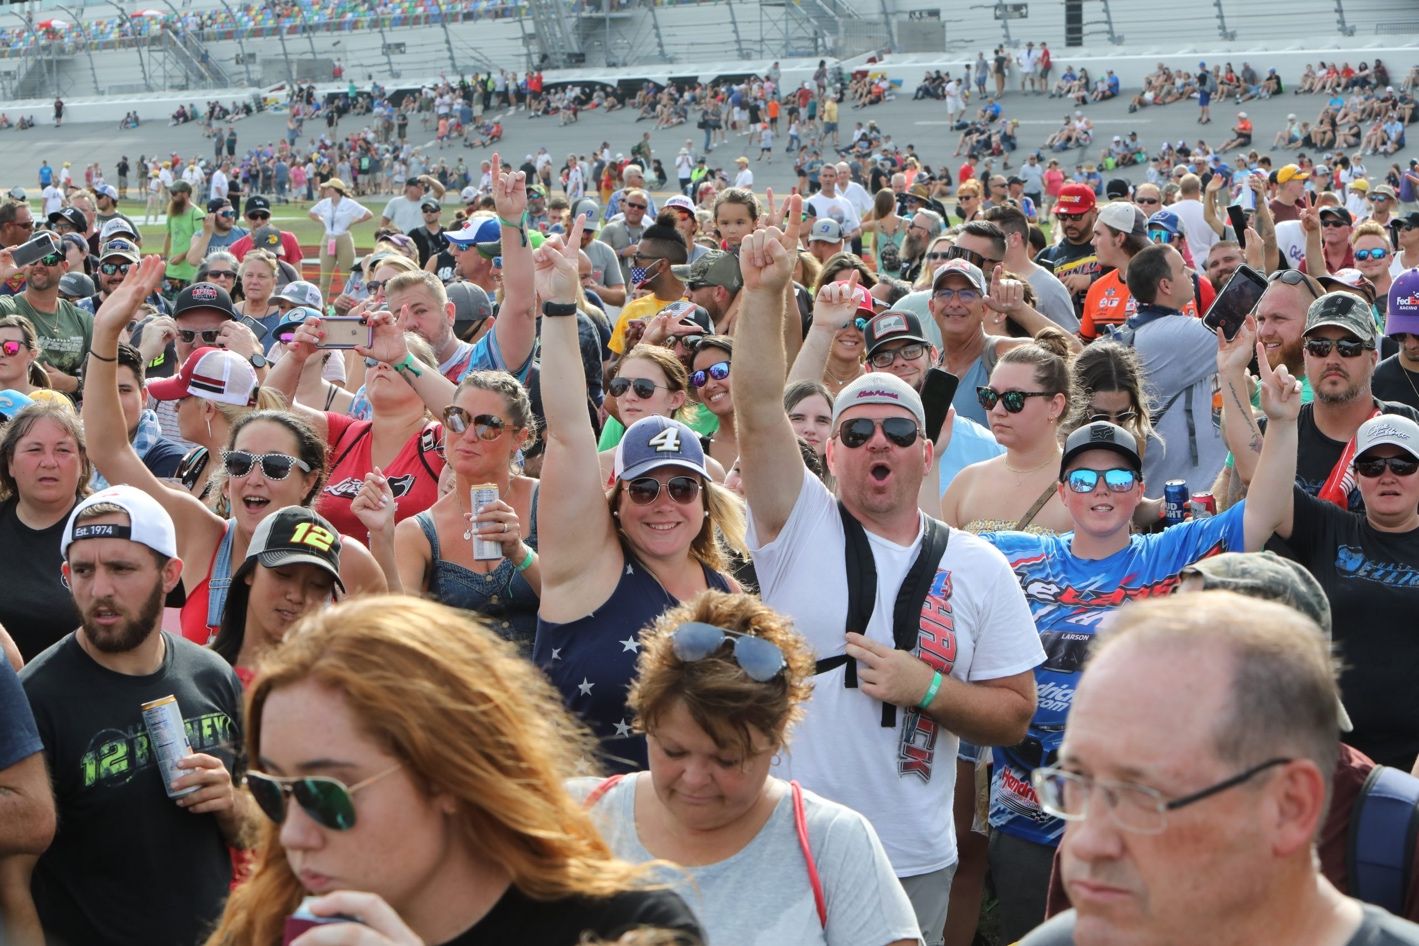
{"points": [[34, 249], [1238, 217], [1236, 300], [937, 391]]}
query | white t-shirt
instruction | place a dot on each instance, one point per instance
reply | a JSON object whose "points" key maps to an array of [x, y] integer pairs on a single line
{"points": [[744, 178], [53, 199], [1200, 236], [338, 218], [761, 896], [840, 749], [218, 185], [857, 195], [837, 208]]}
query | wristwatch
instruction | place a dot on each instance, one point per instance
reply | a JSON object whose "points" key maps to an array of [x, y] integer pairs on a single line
{"points": [[558, 309], [258, 361]]}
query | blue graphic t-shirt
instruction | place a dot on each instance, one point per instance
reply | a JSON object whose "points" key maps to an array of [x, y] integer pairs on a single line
{"points": [[1069, 597]]}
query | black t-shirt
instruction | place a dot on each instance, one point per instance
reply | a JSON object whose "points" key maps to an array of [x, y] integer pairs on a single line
{"points": [[428, 243], [516, 918], [1070, 259], [1377, 928], [36, 608], [1372, 581], [128, 865], [1392, 382]]}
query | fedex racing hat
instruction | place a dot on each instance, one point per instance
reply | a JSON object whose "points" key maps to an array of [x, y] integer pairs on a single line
{"points": [[213, 374], [1402, 315], [1101, 435], [894, 325], [293, 536], [879, 387], [653, 442], [148, 522], [203, 295], [1075, 199]]}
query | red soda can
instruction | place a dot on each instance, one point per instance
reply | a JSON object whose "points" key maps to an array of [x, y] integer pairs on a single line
{"points": [[1203, 505]]}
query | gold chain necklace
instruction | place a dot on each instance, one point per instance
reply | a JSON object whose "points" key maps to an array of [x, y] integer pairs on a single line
{"points": [[1033, 469]]}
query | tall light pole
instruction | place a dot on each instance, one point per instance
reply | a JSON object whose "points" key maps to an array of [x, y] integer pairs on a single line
{"points": [[88, 45], [241, 46], [137, 45], [447, 39], [286, 53]]}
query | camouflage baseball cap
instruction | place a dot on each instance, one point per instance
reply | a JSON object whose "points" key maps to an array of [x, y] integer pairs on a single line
{"points": [[1270, 577], [715, 268], [1343, 310]]}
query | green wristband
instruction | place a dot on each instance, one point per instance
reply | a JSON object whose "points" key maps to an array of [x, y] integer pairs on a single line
{"points": [[408, 365], [526, 563], [930, 691]]}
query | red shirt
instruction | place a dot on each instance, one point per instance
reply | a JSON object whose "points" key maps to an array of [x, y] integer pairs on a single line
{"points": [[413, 474]]}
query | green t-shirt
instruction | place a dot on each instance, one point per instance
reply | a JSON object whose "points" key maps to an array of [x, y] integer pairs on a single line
{"points": [[699, 420], [64, 334], [182, 228]]}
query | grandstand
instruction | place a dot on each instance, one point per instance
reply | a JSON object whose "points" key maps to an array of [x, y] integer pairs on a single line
{"points": [[70, 50]]}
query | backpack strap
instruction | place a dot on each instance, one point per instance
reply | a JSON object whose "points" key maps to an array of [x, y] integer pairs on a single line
{"points": [[1383, 828], [800, 824], [862, 593]]}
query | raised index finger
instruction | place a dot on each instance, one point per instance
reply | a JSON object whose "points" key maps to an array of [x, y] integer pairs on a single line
{"points": [[574, 240], [794, 225]]}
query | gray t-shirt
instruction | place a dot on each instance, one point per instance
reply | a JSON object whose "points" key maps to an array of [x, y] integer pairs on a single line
{"points": [[618, 234], [404, 213], [605, 268], [1377, 928], [1052, 300], [761, 896], [1179, 359]]}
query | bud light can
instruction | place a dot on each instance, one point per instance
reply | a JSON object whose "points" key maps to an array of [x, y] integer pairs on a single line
{"points": [[1174, 502], [1203, 505]]}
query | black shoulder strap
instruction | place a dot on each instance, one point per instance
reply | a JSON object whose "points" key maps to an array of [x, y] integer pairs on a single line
{"points": [[862, 593]]}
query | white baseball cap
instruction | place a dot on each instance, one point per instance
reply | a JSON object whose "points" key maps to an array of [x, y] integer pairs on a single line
{"points": [[148, 522]]}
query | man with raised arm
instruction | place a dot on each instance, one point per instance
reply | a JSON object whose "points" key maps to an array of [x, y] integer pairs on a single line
{"points": [[881, 730]]}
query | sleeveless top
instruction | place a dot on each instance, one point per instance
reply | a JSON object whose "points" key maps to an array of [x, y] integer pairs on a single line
{"points": [[978, 526], [592, 660], [502, 596]]}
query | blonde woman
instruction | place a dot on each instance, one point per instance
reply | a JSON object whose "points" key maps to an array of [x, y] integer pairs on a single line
{"points": [[446, 820], [258, 274]]}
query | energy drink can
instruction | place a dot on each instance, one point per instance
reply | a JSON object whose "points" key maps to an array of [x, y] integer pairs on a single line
{"points": [[167, 739], [1174, 502], [484, 494], [1203, 505]]}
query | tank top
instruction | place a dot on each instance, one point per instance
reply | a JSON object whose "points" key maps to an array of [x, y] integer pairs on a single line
{"points": [[592, 660], [201, 613], [502, 596], [413, 473], [36, 608]]}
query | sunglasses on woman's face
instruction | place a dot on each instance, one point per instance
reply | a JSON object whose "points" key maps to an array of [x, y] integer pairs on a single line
{"points": [[1118, 480], [901, 431], [218, 273], [644, 387], [1014, 400], [715, 372], [1347, 347], [328, 801], [646, 489], [760, 660], [1375, 467], [11, 348], [209, 336], [274, 466], [1099, 415], [485, 426]]}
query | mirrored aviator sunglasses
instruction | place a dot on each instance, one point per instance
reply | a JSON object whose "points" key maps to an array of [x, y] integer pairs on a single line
{"points": [[328, 801], [646, 489], [486, 426], [760, 660], [1118, 480]]}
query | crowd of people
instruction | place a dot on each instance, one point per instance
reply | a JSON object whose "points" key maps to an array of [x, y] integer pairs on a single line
{"points": [[620, 556]]}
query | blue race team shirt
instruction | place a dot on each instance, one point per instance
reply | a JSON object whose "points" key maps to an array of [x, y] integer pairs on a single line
{"points": [[1069, 597]]}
